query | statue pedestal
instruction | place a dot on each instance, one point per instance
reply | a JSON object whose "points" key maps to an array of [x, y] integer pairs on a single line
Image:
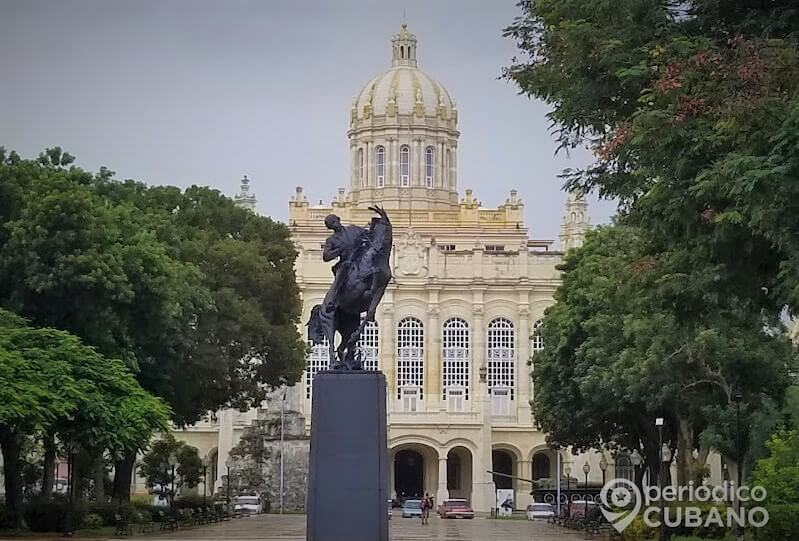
{"points": [[348, 469]]}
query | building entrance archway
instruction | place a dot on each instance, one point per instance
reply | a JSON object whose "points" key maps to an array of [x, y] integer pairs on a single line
{"points": [[459, 473], [409, 469]]}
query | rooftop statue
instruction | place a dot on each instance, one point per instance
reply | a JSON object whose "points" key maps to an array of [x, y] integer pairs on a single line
{"points": [[360, 279]]}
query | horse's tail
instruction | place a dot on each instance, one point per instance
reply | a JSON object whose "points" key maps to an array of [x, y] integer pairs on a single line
{"points": [[316, 332]]}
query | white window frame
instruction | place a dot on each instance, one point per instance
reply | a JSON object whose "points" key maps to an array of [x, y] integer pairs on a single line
{"points": [[455, 358], [410, 398], [410, 355], [537, 341], [369, 346], [405, 165], [318, 360], [501, 344], [501, 398], [456, 399], [429, 166], [380, 165]]}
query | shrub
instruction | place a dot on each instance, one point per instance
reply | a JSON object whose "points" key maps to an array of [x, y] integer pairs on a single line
{"points": [[142, 517], [92, 521], [49, 515], [638, 531], [109, 512], [783, 523]]}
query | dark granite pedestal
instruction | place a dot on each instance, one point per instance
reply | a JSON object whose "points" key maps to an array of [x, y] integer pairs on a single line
{"points": [[348, 468]]}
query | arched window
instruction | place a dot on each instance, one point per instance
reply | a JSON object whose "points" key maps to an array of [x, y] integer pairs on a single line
{"points": [[538, 340], [410, 355], [624, 467], [428, 166], [361, 169], [318, 360], [501, 355], [380, 165], [405, 165], [370, 346], [455, 356]]}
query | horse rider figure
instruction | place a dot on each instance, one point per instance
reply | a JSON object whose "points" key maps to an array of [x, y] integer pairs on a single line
{"points": [[344, 241]]}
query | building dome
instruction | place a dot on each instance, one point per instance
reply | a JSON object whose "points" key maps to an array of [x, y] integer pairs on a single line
{"points": [[404, 89], [403, 137]]}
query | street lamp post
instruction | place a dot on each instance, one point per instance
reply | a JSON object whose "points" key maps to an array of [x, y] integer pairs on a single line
{"points": [[586, 470], [636, 459], [739, 457], [603, 465], [568, 471], [205, 482], [228, 462], [659, 424], [172, 462], [282, 415]]}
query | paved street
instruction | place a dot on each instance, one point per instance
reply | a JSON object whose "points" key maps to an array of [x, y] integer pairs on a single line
{"points": [[292, 527]]}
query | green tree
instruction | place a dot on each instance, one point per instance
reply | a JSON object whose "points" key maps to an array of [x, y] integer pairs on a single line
{"points": [[51, 383], [156, 464], [619, 351], [779, 472]]}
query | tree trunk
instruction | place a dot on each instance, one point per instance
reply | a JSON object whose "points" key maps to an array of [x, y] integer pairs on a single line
{"points": [[48, 479], [13, 480], [99, 480], [123, 473]]}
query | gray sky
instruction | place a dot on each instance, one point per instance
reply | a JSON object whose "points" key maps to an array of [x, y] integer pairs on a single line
{"points": [[198, 92]]}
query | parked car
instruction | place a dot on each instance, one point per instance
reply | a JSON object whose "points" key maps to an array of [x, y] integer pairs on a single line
{"points": [[412, 508], [540, 511], [455, 508], [578, 509], [248, 505]]}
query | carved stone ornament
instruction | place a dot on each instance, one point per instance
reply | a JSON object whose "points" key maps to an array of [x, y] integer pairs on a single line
{"points": [[412, 256]]}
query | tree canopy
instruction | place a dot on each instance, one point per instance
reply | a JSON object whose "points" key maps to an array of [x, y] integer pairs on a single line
{"points": [[196, 295], [51, 383]]}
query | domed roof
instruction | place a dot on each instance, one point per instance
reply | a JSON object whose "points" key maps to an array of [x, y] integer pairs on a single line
{"points": [[404, 89]]}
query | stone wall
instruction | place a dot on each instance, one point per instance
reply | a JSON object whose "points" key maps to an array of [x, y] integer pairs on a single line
{"points": [[256, 458]]}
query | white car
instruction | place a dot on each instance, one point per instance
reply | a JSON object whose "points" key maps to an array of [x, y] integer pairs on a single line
{"points": [[248, 505], [540, 511]]}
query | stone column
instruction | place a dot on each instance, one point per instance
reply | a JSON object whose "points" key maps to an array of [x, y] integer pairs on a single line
{"points": [[454, 168], [441, 181], [483, 488], [478, 348], [353, 167], [391, 162], [387, 332], [523, 497], [420, 163], [433, 353], [442, 493], [224, 445], [522, 368]]}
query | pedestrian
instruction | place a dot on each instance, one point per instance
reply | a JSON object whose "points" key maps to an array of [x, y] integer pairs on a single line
{"points": [[426, 503]]}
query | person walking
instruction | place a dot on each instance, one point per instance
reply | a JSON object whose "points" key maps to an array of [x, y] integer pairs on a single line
{"points": [[426, 503]]}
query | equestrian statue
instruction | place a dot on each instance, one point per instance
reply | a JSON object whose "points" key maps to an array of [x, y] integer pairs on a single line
{"points": [[360, 279]]}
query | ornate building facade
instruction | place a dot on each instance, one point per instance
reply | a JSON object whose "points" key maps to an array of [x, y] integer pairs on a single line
{"points": [[455, 334]]}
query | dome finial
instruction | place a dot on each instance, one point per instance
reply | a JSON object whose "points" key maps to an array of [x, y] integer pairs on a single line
{"points": [[403, 47]]}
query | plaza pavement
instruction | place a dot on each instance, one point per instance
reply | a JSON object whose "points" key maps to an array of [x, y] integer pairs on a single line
{"points": [[292, 528]]}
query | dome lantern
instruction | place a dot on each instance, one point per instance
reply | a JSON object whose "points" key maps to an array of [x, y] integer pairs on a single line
{"points": [[404, 48]]}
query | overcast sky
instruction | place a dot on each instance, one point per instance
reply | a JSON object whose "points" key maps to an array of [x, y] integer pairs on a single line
{"points": [[197, 92]]}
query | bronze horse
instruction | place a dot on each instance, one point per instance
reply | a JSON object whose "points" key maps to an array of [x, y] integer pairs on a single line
{"points": [[366, 275]]}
